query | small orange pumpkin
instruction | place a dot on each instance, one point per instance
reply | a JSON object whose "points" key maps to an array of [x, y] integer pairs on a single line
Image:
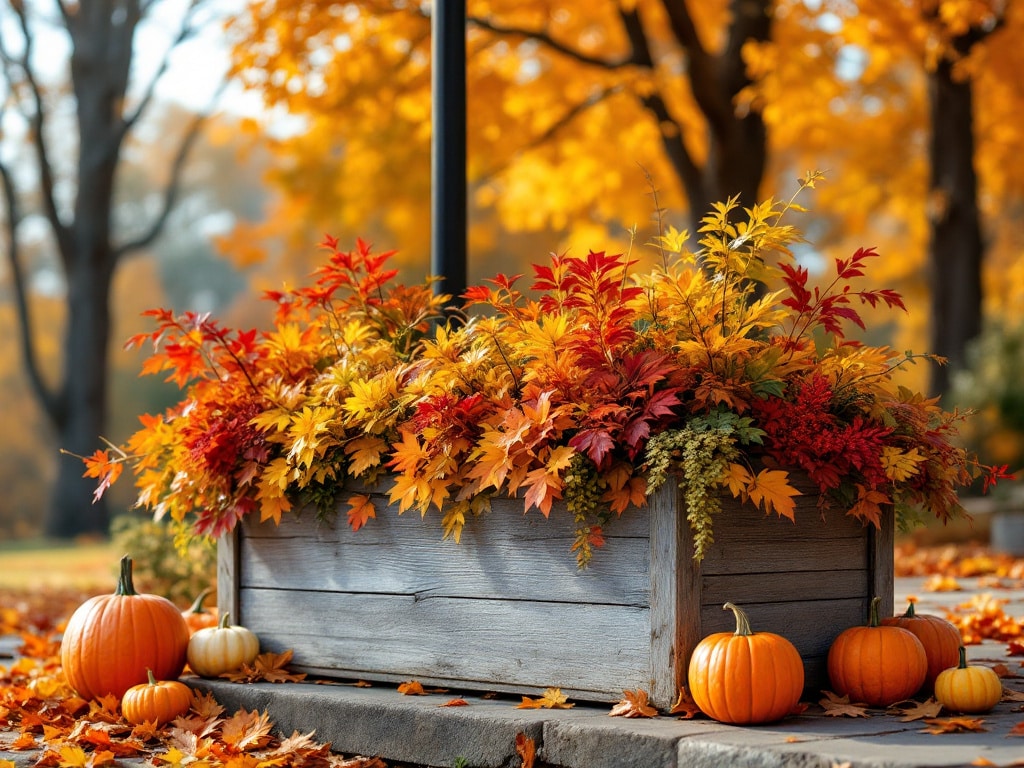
{"points": [[111, 640], [159, 701], [940, 638], [969, 689], [877, 665], [745, 677], [196, 617]]}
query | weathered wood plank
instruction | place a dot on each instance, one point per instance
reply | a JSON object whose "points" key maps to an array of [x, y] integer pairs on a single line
{"points": [[488, 644], [743, 589], [497, 557], [810, 625], [229, 573], [880, 561], [772, 553], [672, 598]]}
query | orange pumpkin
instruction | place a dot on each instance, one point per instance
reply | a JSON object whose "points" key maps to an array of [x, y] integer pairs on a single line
{"points": [[111, 640], [940, 638], [877, 665], [196, 617], [745, 677], [155, 701]]}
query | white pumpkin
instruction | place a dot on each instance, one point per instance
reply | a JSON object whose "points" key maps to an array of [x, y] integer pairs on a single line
{"points": [[215, 650]]}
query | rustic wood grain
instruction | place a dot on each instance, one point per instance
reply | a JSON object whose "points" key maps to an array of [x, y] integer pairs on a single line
{"points": [[507, 609], [484, 644], [500, 555], [229, 570]]}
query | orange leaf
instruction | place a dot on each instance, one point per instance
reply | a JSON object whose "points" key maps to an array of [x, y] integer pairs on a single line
{"points": [[684, 706], [455, 703], [412, 688], [1017, 730], [953, 725], [633, 705], [526, 749], [362, 509]]}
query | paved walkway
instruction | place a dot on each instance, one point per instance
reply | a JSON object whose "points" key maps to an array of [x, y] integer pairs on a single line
{"points": [[415, 730]]}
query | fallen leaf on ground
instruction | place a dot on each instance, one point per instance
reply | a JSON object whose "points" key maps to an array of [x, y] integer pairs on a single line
{"points": [[553, 698], [840, 706], [271, 667], [634, 705], [1011, 695], [939, 725], [412, 688], [1017, 730], [684, 706], [917, 710], [526, 750], [455, 703], [940, 583]]}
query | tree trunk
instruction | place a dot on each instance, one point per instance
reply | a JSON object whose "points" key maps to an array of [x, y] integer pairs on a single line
{"points": [[101, 37], [956, 247], [81, 418]]}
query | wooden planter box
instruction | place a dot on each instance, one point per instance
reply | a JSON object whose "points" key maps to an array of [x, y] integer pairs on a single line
{"points": [[507, 609]]}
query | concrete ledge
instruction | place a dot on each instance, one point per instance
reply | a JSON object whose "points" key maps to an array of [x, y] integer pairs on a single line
{"points": [[416, 729]]}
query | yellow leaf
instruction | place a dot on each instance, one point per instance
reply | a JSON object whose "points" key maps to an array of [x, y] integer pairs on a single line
{"points": [[736, 479], [553, 698], [364, 452], [899, 465], [772, 490], [73, 757]]}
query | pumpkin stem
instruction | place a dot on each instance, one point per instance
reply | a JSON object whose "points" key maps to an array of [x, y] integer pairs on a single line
{"points": [[873, 614], [963, 658], [125, 587], [224, 620], [742, 622], [152, 680], [197, 604], [910, 614]]}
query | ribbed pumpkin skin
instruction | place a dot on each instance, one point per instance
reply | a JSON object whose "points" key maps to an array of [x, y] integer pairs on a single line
{"points": [[215, 650], [940, 638], [877, 665], [745, 678], [968, 689], [161, 701], [111, 640]]}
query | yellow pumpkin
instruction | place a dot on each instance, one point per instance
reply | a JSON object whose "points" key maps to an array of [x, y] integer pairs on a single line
{"points": [[969, 689], [215, 650]]}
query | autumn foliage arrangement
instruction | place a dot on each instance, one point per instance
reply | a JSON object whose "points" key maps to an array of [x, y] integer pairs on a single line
{"points": [[723, 369]]}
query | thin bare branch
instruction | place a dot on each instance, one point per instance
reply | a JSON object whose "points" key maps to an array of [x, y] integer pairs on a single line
{"points": [[173, 188], [549, 133], [37, 120], [186, 31], [547, 40]]}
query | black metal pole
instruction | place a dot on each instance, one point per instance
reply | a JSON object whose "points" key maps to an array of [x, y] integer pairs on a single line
{"points": [[448, 240]]}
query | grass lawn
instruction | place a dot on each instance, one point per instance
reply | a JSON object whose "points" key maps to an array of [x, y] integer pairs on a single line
{"points": [[40, 564]]}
